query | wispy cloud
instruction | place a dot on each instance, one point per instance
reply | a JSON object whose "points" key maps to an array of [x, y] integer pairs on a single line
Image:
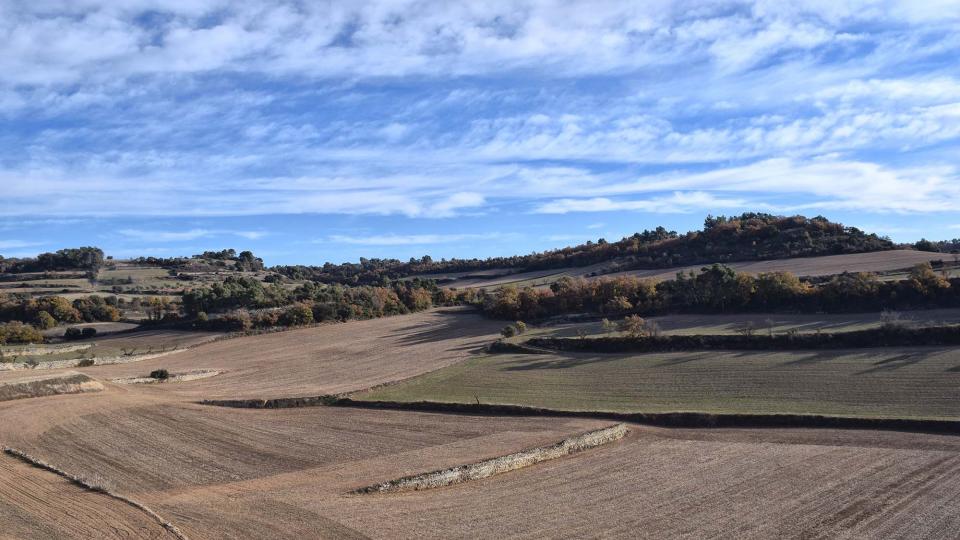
{"points": [[409, 239], [679, 202], [16, 244], [185, 236]]}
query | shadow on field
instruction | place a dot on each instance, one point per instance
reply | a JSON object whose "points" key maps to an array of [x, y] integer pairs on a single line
{"points": [[559, 361], [813, 358], [896, 362], [450, 326]]}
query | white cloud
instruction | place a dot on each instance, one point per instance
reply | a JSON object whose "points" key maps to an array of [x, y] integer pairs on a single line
{"points": [[409, 239], [448, 206], [185, 236], [103, 40], [679, 202], [16, 244]]}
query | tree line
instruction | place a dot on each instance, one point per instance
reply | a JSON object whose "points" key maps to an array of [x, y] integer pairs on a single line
{"points": [[241, 303], [720, 289], [750, 236], [49, 311], [83, 258]]}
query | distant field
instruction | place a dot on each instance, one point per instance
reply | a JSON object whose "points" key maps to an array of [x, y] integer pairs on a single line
{"points": [[881, 261], [761, 322], [907, 383], [329, 358], [138, 274], [102, 328], [121, 343]]}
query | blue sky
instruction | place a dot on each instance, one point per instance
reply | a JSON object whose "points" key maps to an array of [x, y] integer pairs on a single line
{"points": [[325, 131]]}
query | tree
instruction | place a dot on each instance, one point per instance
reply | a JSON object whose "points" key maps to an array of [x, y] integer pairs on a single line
{"points": [[925, 245], [927, 283], [521, 327], [608, 326], [17, 332], [45, 321], [634, 326]]}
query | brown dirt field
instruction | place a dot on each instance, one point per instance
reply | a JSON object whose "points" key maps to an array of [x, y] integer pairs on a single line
{"points": [[881, 261], [325, 359], [245, 473], [287, 473], [694, 484], [39, 504], [161, 453]]}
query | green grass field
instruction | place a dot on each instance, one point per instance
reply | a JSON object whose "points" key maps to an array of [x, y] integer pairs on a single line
{"points": [[902, 383]]}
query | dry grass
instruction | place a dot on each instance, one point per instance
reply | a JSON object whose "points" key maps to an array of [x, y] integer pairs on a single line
{"points": [[69, 382], [502, 464], [904, 383], [192, 375]]}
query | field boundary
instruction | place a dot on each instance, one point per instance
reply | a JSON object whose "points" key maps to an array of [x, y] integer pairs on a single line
{"points": [[667, 419], [76, 480], [499, 465], [71, 382]]}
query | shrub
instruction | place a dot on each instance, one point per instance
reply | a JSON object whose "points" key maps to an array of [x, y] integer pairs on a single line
{"points": [[267, 319], [237, 321], [521, 327], [297, 315], [73, 333], [160, 374], [88, 333], [86, 362], [17, 332], [508, 331], [608, 326], [45, 321], [891, 320]]}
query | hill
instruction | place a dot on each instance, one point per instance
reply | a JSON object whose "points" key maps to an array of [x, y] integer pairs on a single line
{"points": [[748, 237]]}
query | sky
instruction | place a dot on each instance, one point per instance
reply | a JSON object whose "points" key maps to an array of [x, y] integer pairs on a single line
{"points": [[329, 130]]}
